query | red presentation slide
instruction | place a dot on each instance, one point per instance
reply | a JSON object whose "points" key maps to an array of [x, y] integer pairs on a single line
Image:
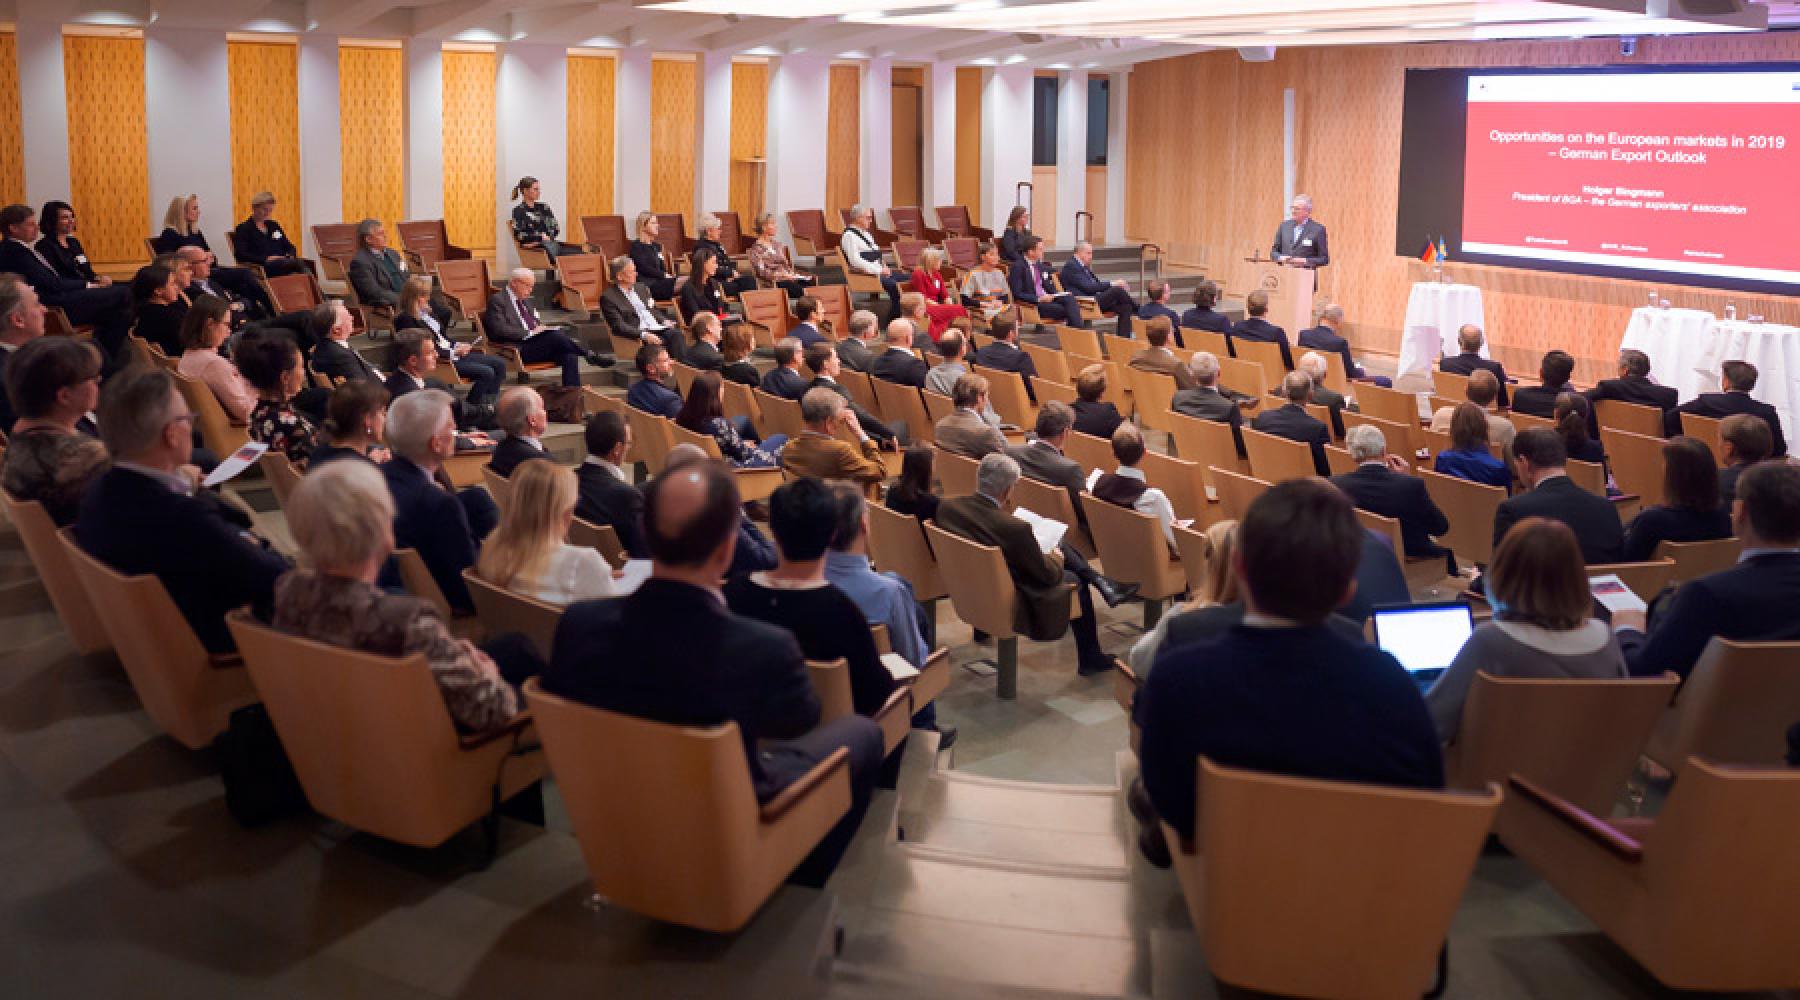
{"points": [[1683, 173]]}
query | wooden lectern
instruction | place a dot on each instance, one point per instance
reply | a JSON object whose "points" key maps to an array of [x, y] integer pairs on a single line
{"points": [[1290, 293]]}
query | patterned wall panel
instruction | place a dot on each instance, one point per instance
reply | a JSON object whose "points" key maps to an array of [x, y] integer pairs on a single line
{"points": [[1210, 189], [372, 126], [674, 110], [265, 127], [109, 175], [749, 137], [12, 149], [591, 80], [469, 150], [842, 148], [968, 140]]}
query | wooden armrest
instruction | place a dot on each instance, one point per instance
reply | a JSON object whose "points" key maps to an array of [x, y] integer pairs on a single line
{"points": [[899, 699], [1625, 498], [513, 726], [224, 661], [1620, 846], [1126, 672], [790, 796]]}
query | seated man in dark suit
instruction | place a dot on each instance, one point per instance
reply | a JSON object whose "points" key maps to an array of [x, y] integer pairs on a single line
{"points": [[378, 274], [446, 528], [246, 300], [784, 379], [1094, 415], [411, 359], [333, 356], [822, 360], [1291, 420], [524, 419], [855, 351], [1469, 338], [1078, 278], [21, 321], [1203, 316], [673, 653], [1751, 602], [1042, 457], [1539, 456], [1744, 440], [1282, 692], [1208, 400], [1735, 383], [629, 315], [1256, 328], [1383, 485], [108, 309], [1325, 337], [1156, 303], [1314, 365], [1003, 353], [651, 393], [706, 330], [1540, 400], [145, 515], [1632, 386], [897, 363], [604, 492], [1030, 283], [510, 320], [806, 325]]}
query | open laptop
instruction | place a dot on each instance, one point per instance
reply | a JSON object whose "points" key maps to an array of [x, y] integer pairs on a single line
{"points": [[1424, 637]]}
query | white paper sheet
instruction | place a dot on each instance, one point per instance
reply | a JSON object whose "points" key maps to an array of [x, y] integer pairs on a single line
{"points": [[241, 459], [1049, 533]]}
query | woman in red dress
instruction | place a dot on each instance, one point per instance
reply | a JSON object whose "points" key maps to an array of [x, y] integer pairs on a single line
{"points": [[940, 302]]}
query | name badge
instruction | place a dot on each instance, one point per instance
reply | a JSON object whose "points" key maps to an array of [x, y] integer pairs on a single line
{"points": [[274, 234], [1306, 243], [81, 258]]}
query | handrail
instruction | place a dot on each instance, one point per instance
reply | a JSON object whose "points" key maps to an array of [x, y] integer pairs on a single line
{"points": [[1090, 229], [1025, 186], [1145, 252]]}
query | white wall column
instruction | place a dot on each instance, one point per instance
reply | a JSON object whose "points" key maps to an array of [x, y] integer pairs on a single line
{"points": [[712, 167], [1071, 150], [938, 186], [878, 135], [321, 140], [44, 112], [424, 129], [799, 88], [1115, 157], [631, 127], [1005, 139], [186, 76], [531, 130]]}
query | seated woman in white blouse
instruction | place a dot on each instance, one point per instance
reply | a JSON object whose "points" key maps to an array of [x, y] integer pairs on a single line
{"points": [[527, 553]]}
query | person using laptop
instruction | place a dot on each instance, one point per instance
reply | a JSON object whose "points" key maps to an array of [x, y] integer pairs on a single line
{"points": [[1543, 623]]}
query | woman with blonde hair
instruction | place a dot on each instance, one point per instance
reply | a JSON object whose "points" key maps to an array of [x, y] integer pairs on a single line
{"points": [[653, 267], [1213, 606], [181, 226], [527, 553], [940, 302]]}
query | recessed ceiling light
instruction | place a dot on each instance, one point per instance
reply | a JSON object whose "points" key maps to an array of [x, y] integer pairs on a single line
{"points": [[1287, 31]]}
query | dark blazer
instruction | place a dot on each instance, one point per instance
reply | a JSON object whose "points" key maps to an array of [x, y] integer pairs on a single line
{"points": [[1151, 310], [431, 519], [711, 666], [1631, 389], [501, 320], [169, 241], [1380, 490], [652, 396], [1294, 423], [1720, 405], [1751, 602], [1080, 279], [742, 372], [899, 367], [807, 334], [1379, 580], [70, 262], [1591, 517], [1002, 356], [1019, 281], [446, 347], [622, 319], [1538, 400], [854, 354], [697, 297], [1098, 418], [256, 247], [195, 545], [1212, 403], [1655, 525], [1206, 319], [1728, 477], [512, 451], [1045, 464], [871, 424], [161, 325], [784, 382], [1042, 610], [1258, 329], [378, 279], [51, 286], [1321, 338], [1301, 239], [603, 498], [1334, 403], [1467, 362], [1012, 244], [340, 360], [400, 383], [652, 264], [704, 356]]}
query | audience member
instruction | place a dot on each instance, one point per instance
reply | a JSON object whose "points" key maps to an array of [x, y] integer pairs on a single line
{"points": [[524, 419], [85, 303], [181, 226], [770, 263], [897, 363], [271, 364], [628, 312], [54, 382], [1078, 278], [822, 361], [1744, 440], [1482, 390], [784, 379], [445, 528], [1207, 400], [806, 322], [205, 328], [706, 330], [1315, 366], [1542, 626], [1291, 420], [1538, 459], [158, 308], [527, 553], [355, 425], [754, 551], [1094, 415], [485, 372], [377, 274], [259, 240], [986, 289], [62, 248], [1003, 354], [1126, 486], [1042, 457], [1572, 413], [21, 322], [1540, 400], [1633, 385], [734, 356], [1325, 337], [863, 256], [1156, 304], [911, 493], [819, 453], [534, 225], [855, 351], [1203, 316], [1733, 397], [1156, 356], [1030, 285], [1690, 511], [703, 412], [1016, 235], [1211, 609], [710, 228], [333, 356], [705, 290], [607, 496], [963, 432], [1469, 338], [1383, 484], [940, 303], [651, 393], [1256, 328], [943, 376], [246, 298], [649, 262], [1469, 456], [511, 321]]}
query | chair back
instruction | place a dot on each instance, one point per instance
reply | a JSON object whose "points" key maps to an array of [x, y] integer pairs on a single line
{"points": [[1645, 579], [427, 242], [1265, 354], [1328, 888], [1276, 459], [1579, 738], [1635, 418], [963, 252], [739, 402], [1393, 405], [831, 684], [1089, 452], [957, 473], [1006, 393], [182, 691], [1590, 476], [1450, 384], [80, 618], [1236, 492], [671, 234], [1247, 377], [860, 386], [336, 244], [684, 376], [1210, 341], [1051, 363], [1706, 429], [582, 275], [902, 402], [294, 292], [811, 235], [897, 545], [651, 438], [1338, 460], [1697, 559], [1183, 481], [1525, 421], [1151, 394], [731, 233], [1336, 379], [502, 610], [1206, 443], [605, 235], [834, 309], [909, 220], [766, 309], [499, 488], [1637, 462], [281, 474], [979, 585], [907, 251], [1735, 707], [466, 283], [222, 437], [1048, 390], [1133, 549], [602, 538], [1386, 527], [1079, 340], [1402, 439], [1052, 501], [955, 220], [780, 415], [1195, 551], [1470, 508], [416, 579]]}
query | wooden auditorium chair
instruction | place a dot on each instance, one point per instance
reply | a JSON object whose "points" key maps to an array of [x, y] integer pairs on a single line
{"points": [[77, 611], [1735, 706], [501, 610], [982, 592], [1133, 550]]}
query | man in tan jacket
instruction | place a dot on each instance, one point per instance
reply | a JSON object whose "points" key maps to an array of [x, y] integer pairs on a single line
{"points": [[817, 452], [964, 432]]}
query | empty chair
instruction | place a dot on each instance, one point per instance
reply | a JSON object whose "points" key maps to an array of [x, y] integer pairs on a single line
{"points": [[1077, 340], [584, 279], [902, 402], [909, 220], [1277, 459], [605, 235], [811, 233], [956, 473], [1006, 391], [1236, 492], [1133, 550], [1327, 888], [373, 744], [956, 222], [1388, 404], [1206, 442], [426, 242], [1697, 559], [1151, 393], [1702, 896], [1637, 461], [1635, 418], [1735, 707], [678, 835], [77, 611], [336, 243], [1470, 508], [1265, 354]]}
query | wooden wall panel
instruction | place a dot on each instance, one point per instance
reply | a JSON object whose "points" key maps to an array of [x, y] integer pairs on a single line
{"points": [[1044, 216], [749, 138], [591, 89], [968, 140], [265, 126], [674, 113], [1096, 203], [372, 128], [12, 148], [1204, 178], [109, 174], [842, 148], [469, 150]]}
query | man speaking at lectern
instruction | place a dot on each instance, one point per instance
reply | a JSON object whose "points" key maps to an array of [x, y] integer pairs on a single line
{"points": [[1300, 242]]}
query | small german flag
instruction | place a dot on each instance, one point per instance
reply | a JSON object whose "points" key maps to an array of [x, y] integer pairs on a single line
{"points": [[1433, 252]]}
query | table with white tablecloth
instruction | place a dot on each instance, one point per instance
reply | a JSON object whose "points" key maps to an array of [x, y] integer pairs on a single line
{"points": [[1674, 340], [1434, 312], [1688, 348]]}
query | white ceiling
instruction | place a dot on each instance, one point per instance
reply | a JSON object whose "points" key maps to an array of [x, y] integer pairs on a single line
{"points": [[1095, 34]]}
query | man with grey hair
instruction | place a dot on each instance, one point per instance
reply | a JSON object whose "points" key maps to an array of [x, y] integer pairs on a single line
{"points": [[445, 528], [1042, 457], [1469, 339], [854, 350], [146, 514], [524, 419], [1300, 241], [1316, 368], [511, 320], [863, 255], [1291, 421], [953, 347], [819, 450], [1208, 400], [1041, 580], [784, 379], [709, 226], [1328, 336], [1078, 278], [232, 285], [378, 274], [21, 321], [629, 316], [1633, 385], [1382, 484]]}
